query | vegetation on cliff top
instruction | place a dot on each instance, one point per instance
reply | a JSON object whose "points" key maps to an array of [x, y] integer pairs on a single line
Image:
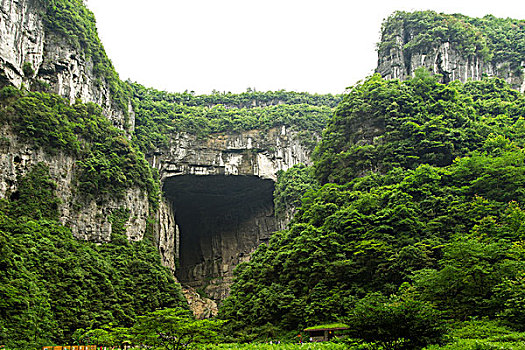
{"points": [[493, 39], [158, 114], [422, 228]]}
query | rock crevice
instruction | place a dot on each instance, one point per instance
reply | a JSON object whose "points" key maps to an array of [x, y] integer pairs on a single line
{"points": [[397, 61]]}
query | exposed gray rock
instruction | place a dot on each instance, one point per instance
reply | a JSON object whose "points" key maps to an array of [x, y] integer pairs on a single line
{"points": [[223, 240], [201, 307], [58, 65], [66, 71], [443, 58], [88, 220], [256, 152], [167, 234], [221, 194]]}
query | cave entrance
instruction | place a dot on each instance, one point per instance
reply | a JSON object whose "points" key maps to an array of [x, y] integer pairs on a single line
{"points": [[221, 220]]}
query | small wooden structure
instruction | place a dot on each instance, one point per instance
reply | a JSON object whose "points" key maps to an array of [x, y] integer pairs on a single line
{"points": [[325, 332]]}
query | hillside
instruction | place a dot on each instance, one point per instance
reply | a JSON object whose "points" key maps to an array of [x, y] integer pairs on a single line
{"points": [[420, 211], [401, 200]]}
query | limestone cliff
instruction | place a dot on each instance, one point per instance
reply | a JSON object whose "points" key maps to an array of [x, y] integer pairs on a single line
{"points": [[88, 219], [220, 194], [218, 190], [255, 152], [33, 54], [456, 47]]}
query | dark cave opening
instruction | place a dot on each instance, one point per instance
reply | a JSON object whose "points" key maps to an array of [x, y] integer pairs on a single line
{"points": [[221, 220]]}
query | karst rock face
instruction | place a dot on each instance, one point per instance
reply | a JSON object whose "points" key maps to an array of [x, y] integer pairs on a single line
{"points": [[217, 204], [88, 219], [51, 60], [33, 56], [219, 198], [400, 54]]}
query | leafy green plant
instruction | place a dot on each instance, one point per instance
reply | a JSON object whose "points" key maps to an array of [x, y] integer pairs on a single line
{"points": [[28, 70], [428, 190]]}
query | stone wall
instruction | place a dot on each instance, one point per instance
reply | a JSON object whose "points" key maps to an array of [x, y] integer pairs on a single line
{"points": [[88, 219], [56, 63], [396, 62]]}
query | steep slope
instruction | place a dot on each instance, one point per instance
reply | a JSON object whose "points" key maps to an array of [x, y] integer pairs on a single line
{"points": [[422, 228], [62, 106], [68, 171], [52, 285], [53, 46], [455, 46]]}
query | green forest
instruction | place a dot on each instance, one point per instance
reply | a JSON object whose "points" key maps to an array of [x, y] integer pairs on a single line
{"points": [[160, 113], [409, 227], [415, 233], [52, 284]]}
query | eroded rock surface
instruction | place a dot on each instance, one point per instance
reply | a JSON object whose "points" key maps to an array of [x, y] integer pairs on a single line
{"points": [[220, 192], [399, 62], [88, 219], [206, 237], [256, 152], [55, 64]]}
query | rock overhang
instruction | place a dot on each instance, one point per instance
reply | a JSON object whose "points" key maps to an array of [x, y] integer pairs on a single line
{"points": [[221, 220], [220, 191]]}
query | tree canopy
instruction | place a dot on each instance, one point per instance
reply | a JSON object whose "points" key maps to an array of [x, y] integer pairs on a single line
{"points": [[418, 221]]}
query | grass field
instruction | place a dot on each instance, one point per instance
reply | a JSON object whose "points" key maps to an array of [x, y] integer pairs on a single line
{"points": [[309, 346]]}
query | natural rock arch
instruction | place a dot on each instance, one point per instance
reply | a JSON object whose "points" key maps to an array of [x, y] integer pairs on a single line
{"points": [[219, 201]]}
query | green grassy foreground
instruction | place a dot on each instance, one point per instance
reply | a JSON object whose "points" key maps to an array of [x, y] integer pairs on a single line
{"points": [[461, 344], [324, 346]]}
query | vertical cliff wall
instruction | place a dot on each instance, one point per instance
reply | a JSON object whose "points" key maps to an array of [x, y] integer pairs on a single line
{"points": [[456, 47], [43, 49], [219, 191], [34, 53], [88, 219]]}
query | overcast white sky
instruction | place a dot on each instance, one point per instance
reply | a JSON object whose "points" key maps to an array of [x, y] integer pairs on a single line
{"points": [[229, 45]]}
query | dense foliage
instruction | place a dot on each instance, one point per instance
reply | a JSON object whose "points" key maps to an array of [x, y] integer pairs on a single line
{"points": [[423, 225], [170, 329], [76, 25], [492, 39], [409, 226], [290, 187], [107, 163], [52, 284], [159, 113], [383, 124], [250, 98]]}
